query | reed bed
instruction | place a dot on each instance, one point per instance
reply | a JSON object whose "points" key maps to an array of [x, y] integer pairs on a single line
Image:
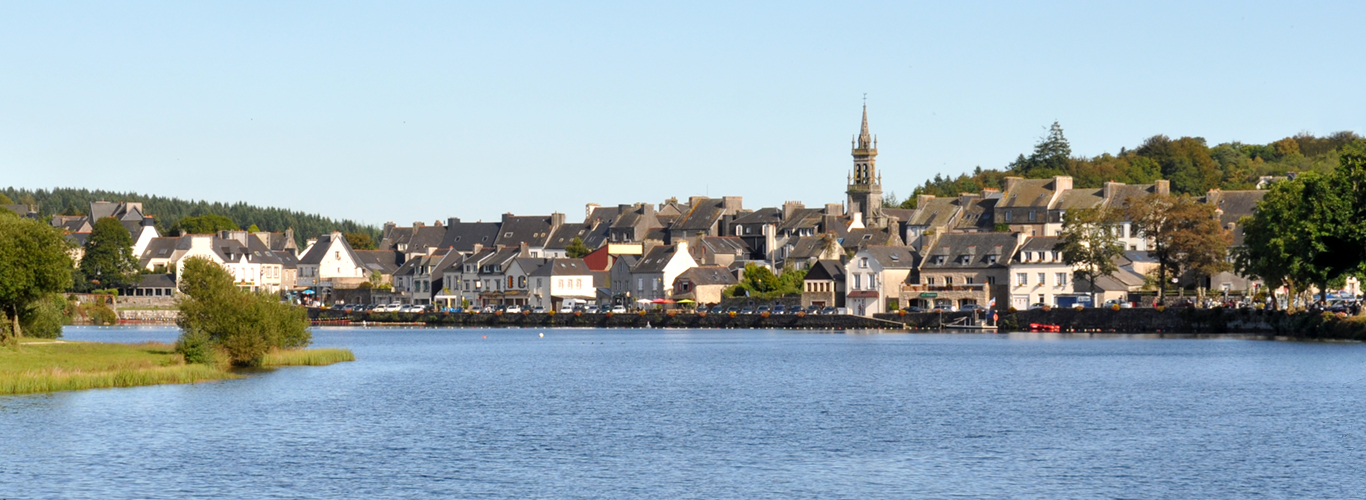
{"points": [[306, 357], [48, 366], [57, 379]]}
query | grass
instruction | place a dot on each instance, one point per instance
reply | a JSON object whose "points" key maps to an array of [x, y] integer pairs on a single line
{"points": [[41, 365], [45, 365], [306, 357]]}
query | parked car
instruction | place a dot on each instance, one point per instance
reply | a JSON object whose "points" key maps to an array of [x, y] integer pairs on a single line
{"points": [[513, 309], [829, 310], [717, 309], [747, 310], [538, 310], [591, 309], [972, 308], [779, 309], [618, 309], [813, 309], [761, 310], [732, 309]]}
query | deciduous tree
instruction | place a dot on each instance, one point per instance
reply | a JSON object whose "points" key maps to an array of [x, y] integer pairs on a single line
{"points": [[34, 262], [1089, 242], [215, 314], [108, 258]]}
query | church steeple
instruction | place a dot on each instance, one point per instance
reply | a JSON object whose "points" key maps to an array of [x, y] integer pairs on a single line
{"points": [[865, 185]]}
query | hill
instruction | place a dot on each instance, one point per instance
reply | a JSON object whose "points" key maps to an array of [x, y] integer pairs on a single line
{"points": [[168, 211], [1189, 163]]}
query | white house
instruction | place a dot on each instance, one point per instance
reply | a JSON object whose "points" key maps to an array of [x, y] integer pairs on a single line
{"points": [[330, 263], [560, 279], [654, 274], [1038, 275], [874, 275]]}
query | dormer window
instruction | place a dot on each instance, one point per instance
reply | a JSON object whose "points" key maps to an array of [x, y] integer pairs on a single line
{"points": [[939, 260]]}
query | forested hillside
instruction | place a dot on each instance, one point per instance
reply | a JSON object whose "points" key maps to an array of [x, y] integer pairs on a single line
{"points": [[169, 211], [1189, 163]]}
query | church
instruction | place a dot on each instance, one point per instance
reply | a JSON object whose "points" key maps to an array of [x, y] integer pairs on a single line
{"points": [[865, 183]]}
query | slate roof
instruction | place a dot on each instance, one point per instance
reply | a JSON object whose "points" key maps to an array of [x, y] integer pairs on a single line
{"points": [[462, 236], [565, 235], [156, 281], [701, 217], [1234, 205], [893, 257], [22, 210], [767, 215], [975, 212], [562, 267], [803, 218], [1120, 194], [1073, 199], [324, 244], [976, 246], [655, 260], [158, 248], [723, 245], [384, 261], [901, 214], [935, 212], [502, 257], [869, 236], [1040, 244], [805, 247], [533, 230], [707, 275], [1028, 193], [260, 253], [826, 270], [72, 223]]}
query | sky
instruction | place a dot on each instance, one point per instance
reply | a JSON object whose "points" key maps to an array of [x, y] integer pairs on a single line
{"points": [[419, 111]]}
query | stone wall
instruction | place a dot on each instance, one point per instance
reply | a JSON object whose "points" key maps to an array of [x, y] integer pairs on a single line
{"points": [[628, 320]]}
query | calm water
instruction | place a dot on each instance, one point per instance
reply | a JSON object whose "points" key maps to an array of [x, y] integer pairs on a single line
{"points": [[715, 414]]}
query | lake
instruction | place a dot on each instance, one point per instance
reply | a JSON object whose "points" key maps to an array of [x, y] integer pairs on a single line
{"points": [[497, 413]]}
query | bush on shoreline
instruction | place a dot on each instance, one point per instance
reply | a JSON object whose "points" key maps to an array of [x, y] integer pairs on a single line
{"points": [[219, 318]]}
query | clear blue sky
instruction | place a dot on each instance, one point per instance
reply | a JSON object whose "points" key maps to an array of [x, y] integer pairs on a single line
{"points": [[419, 111]]}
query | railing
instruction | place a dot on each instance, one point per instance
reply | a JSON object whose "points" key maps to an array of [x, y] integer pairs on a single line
{"points": [[974, 287]]}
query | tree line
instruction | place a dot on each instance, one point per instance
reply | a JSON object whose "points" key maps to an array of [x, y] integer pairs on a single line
{"points": [[196, 215], [1192, 166]]}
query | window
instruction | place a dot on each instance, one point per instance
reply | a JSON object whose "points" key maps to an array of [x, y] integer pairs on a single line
{"points": [[948, 281], [929, 280], [654, 284], [858, 281], [863, 263], [559, 283], [1061, 279], [640, 284], [749, 230], [1055, 256], [521, 282], [939, 259], [968, 280], [991, 280], [337, 254], [1031, 216], [1041, 279], [578, 284], [991, 259], [1007, 216], [510, 278], [538, 282], [1021, 279]]}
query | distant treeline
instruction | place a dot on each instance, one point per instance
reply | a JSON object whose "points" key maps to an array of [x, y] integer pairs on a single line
{"points": [[1192, 166], [169, 211]]}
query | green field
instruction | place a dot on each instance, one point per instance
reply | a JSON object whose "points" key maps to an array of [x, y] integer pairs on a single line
{"points": [[42, 365]]}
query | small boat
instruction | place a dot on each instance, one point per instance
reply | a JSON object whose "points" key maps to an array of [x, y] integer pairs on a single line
{"points": [[1044, 328], [964, 324]]}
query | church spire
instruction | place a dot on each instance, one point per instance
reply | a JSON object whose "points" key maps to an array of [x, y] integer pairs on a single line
{"points": [[865, 140]]}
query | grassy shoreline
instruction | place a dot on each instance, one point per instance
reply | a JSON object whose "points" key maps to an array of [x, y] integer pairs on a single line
{"points": [[43, 365]]}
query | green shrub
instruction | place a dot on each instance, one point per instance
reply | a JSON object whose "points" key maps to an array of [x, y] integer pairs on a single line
{"points": [[197, 347], [244, 325], [99, 314]]}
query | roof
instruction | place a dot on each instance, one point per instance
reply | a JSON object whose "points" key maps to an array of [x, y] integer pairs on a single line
{"points": [[767, 215], [562, 267], [1121, 280], [1041, 244], [1120, 194], [384, 261], [701, 217], [156, 281], [707, 275], [655, 260], [975, 212], [1073, 199], [158, 248], [1027, 193], [935, 212], [826, 270], [870, 236], [893, 257], [315, 254], [1235, 205], [533, 230], [565, 235], [976, 247], [462, 236], [803, 218], [724, 245]]}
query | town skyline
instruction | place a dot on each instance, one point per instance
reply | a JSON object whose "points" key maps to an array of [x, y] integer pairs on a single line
{"points": [[658, 101]]}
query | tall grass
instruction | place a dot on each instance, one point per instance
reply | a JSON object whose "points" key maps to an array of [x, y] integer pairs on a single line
{"points": [[306, 357], [58, 379]]}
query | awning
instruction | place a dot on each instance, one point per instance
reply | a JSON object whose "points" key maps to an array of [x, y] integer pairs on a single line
{"points": [[687, 301], [662, 301], [863, 294], [643, 301]]}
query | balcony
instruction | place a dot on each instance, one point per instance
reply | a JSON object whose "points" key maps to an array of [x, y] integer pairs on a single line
{"points": [[974, 287]]}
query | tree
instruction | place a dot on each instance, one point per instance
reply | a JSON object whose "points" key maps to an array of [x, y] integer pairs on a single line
{"points": [[4, 200], [34, 262], [1195, 242], [204, 224], [1150, 216], [1089, 242], [253, 229], [216, 315], [109, 258], [576, 249], [1301, 234], [360, 241], [1052, 156]]}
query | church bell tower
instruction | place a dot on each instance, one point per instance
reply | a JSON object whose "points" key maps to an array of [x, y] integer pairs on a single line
{"points": [[865, 184]]}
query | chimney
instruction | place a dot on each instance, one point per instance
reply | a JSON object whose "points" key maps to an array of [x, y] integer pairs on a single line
{"points": [[588, 211], [506, 217], [1020, 239], [148, 221], [790, 207], [732, 204], [417, 224], [857, 221], [1110, 187], [922, 200], [1162, 186], [478, 247], [1062, 182], [451, 221], [556, 220], [834, 209], [1011, 182], [522, 250], [436, 223]]}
